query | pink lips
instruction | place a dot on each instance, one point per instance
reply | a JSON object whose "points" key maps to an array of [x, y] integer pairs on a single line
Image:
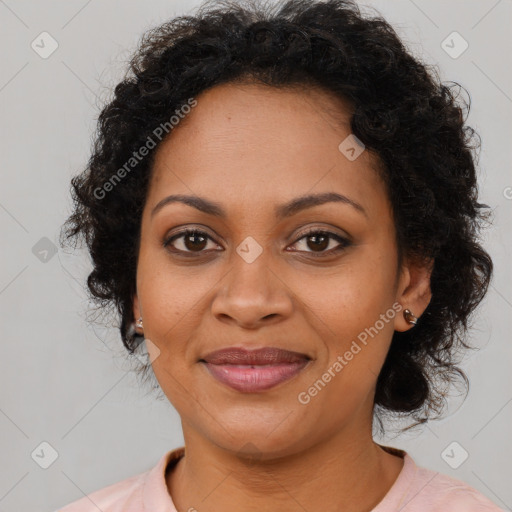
{"points": [[254, 370]]}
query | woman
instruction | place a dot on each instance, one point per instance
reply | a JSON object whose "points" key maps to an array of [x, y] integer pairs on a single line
{"points": [[282, 203]]}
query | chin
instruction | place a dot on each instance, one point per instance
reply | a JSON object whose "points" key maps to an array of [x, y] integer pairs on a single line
{"points": [[260, 448], [259, 441]]}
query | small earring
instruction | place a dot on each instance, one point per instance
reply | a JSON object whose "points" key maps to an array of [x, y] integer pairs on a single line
{"points": [[139, 323], [409, 317]]}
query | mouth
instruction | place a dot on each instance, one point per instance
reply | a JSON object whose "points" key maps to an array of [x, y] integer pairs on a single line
{"points": [[252, 371]]}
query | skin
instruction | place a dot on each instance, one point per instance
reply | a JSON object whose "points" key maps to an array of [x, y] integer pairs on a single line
{"points": [[251, 147]]}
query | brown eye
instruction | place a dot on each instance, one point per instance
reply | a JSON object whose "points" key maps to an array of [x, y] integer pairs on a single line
{"points": [[193, 240], [318, 241]]}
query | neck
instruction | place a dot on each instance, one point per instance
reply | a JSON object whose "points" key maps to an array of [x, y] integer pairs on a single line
{"points": [[352, 476]]}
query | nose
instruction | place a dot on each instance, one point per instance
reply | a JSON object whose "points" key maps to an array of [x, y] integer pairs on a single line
{"points": [[252, 295]]}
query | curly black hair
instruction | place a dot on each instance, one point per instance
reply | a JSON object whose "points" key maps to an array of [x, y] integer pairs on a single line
{"points": [[402, 112]]}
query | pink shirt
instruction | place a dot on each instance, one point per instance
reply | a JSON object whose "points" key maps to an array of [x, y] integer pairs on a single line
{"points": [[415, 490]]}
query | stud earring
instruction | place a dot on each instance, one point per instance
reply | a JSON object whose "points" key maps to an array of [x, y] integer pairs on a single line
{"points": [[139, 323], [409, 317]]}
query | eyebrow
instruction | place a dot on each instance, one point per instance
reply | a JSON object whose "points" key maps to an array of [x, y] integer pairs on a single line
{"points": [[282, 211]]}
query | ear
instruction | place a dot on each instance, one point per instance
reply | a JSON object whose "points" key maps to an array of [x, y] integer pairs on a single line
{"points": [[413, 291], [137, 313]]}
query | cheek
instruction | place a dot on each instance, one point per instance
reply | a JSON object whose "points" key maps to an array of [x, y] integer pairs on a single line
{"points": [[351, 297], [169, 293], [352, 314]]}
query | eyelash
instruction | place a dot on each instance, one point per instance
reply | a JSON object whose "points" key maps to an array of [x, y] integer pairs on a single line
{"points": [[344, 242]]}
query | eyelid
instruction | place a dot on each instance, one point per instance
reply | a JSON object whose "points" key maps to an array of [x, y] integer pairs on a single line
{"points": [[185, 228], [322, 229]]}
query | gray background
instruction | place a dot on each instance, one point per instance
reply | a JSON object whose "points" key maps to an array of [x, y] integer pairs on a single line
{"points": [[67, 383]]}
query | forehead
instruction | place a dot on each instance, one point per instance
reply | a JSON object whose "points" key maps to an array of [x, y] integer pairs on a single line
{"points": [[259, 143]]}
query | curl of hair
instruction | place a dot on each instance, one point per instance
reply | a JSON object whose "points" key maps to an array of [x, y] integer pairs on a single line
{"points": [[402, 112]]}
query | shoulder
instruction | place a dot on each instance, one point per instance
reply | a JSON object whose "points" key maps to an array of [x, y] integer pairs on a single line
{"points": [[132, 494], [431, 491], [113, 498]]}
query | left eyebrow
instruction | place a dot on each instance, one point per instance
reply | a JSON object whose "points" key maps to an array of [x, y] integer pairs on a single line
{"points": [[282, 211], [301, 203]]}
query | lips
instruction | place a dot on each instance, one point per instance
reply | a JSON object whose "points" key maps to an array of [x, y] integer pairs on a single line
{"points": [[253, 371], [261, 356]]}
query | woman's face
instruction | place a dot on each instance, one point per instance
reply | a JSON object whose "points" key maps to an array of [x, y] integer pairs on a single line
{"points": [[254, 278]]}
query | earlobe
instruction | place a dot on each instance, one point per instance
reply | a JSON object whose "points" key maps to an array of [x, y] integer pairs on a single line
{"points": [[414, 293]]}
